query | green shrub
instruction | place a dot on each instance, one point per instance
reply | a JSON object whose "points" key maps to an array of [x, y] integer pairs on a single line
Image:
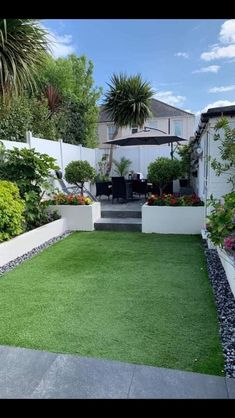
{"points": [[11, 211], [163, 170], [77, 172], [220, 222]]}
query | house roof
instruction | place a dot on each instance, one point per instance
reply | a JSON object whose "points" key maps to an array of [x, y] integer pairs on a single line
{"points": [[212, 113], [159, 109]]}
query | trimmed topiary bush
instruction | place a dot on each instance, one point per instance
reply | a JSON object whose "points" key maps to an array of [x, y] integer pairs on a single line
{"points": [[77, 172], [11, 211], [163, 170]]}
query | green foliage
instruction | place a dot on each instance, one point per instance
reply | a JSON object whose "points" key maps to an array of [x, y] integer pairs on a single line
{"points": [[23, 45], [220, 222], [227, 150], [72, 124], [122, 166], [27, 168], [128, 100], [77, 172], [72, 78], [11, 211], [184, 152], [30, 170], [26, 114], [164, 170], [36, 213]]}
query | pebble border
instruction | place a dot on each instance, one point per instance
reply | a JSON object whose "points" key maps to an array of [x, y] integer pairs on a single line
{"points": [[13, 263], [225, 303]]}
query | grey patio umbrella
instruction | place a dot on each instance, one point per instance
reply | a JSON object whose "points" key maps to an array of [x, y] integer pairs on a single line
{"points": [[146, 137]]}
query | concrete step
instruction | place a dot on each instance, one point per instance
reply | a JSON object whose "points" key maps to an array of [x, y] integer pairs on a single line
{"points": [[118, 224], [121, 214]]}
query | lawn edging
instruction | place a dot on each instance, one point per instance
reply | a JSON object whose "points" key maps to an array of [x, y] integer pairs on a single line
{"points": [[26, 242], [79, 217], [172, 220]]}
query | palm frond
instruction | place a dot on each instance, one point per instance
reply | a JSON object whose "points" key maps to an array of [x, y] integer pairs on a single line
{"points": [[23, 46], [128, 100]]}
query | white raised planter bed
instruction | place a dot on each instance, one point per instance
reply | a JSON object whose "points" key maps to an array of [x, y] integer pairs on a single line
{"points": [[229, 267], [172, 220], [20, 245], [79, 217]]}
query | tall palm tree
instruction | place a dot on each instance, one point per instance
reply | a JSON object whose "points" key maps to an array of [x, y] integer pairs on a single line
{"points": [[23, 46], [128, 102]]}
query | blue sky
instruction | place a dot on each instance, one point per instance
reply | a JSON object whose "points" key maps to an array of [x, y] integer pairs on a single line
{"points": [[189, 63]]}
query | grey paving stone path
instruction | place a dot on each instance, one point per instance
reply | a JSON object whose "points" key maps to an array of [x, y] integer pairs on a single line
{"points": [[32, 374]]}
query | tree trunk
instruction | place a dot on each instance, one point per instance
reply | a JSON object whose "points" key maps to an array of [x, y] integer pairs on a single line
{"points": [[82, 186]]}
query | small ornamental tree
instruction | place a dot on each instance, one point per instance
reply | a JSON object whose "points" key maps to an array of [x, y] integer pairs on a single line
{"points": [[164, 170], [77, 172]]}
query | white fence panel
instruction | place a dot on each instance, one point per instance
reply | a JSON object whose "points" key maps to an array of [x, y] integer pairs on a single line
{"points": [[140, 156], [45, 146], [70, 153], [12, 144]]}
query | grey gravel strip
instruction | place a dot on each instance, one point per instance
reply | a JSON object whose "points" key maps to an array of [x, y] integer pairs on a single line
{"points": [[225, 303], [13, 263]]}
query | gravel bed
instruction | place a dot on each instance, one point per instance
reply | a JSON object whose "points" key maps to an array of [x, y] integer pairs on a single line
{"points": [[225, 303], [13, 263]]}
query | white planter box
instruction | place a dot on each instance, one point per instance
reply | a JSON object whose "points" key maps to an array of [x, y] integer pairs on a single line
{"points": [[172, 220], [229, 267], [20, 245], [80, 217]]}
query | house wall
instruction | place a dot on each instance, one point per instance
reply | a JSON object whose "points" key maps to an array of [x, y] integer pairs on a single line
{"points": [[188, 127]]}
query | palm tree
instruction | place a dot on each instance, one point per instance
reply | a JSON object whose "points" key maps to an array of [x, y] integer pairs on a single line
{"points": [[127, 102], [23, 47]]}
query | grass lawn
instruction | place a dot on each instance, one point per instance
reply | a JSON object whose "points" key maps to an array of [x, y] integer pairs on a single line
{"points": [[139, 298]]}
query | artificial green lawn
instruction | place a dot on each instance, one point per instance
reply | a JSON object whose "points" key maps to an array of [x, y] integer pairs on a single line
{"points": [[139, 298]]}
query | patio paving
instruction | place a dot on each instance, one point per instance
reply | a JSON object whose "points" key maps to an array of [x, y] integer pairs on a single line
{"points": [[32, 374], [130, 205]]}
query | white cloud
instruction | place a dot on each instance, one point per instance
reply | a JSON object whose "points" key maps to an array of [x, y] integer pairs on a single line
{"points": [[182, 54], [221, 89], [209, 69], [227, 31], [170, 98], [219, 52], [60, 45]]}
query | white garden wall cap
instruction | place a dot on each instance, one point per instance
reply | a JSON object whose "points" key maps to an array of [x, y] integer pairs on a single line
{"points": [[17, 246]]}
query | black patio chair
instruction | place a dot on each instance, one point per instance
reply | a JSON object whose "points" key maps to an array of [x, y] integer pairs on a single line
{"points": [[121, 188], [103, 188], [140, 187]]}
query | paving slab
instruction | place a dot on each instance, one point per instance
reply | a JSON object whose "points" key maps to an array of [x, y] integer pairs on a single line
{"points": [[85, 378], [33, 374], [21, 370], [159, 383], [230, 382]]}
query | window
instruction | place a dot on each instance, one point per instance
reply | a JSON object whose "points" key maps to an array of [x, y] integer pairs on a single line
{"points": [[111, 132], [152, 123], [134, 130], [178, 128]]}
